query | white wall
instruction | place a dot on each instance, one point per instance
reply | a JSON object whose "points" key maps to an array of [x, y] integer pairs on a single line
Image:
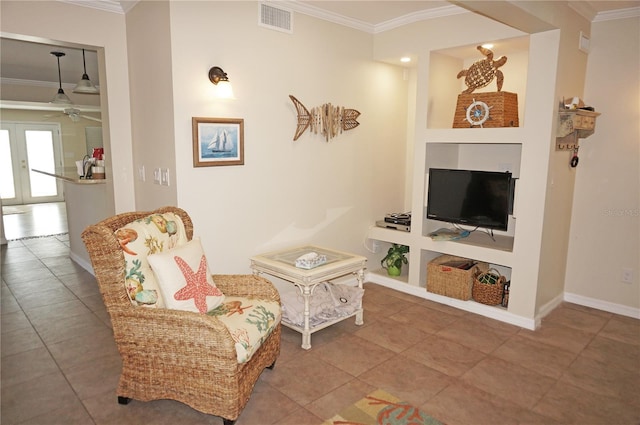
{"points": [[286, 193], [605, 230], [149, 54], [570, 76]]}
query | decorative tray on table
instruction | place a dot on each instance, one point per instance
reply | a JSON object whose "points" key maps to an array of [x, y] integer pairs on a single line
{"points": [[310, 260]]}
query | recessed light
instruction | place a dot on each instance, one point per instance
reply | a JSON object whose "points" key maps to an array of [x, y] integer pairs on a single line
{"points": [[488, 46], [405, 59]]}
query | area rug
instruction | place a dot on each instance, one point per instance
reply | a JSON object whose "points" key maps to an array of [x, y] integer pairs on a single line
{"points": [[381, 408]]}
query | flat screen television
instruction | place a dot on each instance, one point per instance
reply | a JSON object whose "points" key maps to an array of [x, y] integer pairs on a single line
{"points": [[469, 197]]}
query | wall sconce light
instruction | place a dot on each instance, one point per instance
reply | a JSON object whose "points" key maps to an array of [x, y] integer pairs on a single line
{"points": [[219, 78]]}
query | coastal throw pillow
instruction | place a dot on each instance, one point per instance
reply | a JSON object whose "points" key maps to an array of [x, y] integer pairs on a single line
{"points": [[184, 278], [141, 238]]}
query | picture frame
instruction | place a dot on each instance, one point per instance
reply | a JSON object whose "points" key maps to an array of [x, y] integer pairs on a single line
{"points": [[217, 141]]}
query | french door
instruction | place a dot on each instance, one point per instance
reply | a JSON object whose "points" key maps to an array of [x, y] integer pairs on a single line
{"points": [[23, 148]]}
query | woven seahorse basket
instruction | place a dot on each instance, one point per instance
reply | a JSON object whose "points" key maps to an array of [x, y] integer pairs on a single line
{"points": [[503, 109]]}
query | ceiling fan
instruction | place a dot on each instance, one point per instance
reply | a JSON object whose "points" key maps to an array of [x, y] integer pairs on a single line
{"points": [[76, 115]]}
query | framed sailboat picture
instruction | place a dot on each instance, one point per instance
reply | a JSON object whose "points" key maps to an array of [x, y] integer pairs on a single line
{"points": [[218, 141]]}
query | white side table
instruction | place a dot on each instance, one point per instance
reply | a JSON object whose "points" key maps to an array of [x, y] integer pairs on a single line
{"points": [[282, 264]]}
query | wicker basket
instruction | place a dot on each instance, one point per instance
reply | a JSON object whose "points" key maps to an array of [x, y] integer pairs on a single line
{"points": [[488, 287], [450, 281], [504, 109]]}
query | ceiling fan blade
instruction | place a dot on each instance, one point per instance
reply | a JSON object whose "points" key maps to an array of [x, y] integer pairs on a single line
{"points": [[91, 118]]}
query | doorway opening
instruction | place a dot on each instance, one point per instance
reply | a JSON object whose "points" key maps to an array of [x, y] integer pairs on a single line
{"points": [[33, 204]]}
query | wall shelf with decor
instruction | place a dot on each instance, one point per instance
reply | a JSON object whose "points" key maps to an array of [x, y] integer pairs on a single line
{"points": [[573, 125], [445, 89], [388, 237]]}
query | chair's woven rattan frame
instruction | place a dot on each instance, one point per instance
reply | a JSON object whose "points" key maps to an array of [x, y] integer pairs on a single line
{"points": [[172, 354]]}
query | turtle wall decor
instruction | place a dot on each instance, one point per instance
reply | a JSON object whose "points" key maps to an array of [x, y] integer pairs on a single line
{"points": [[483, 71], [485, 109]]}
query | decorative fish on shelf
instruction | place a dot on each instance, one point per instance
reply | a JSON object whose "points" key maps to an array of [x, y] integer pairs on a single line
{"points": [[327, 119]]}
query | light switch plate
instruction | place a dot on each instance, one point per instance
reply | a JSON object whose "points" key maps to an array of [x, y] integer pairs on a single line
{"points": [[157, 179], [164, 177]]}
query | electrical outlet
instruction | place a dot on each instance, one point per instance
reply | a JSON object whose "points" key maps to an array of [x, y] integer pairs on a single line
{"points": [[164, 177], [157, 179], [626, 275], [375, 245]]}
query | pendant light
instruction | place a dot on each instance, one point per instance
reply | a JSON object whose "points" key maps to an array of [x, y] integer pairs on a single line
{"points": [[60, 97], [85, 86]]}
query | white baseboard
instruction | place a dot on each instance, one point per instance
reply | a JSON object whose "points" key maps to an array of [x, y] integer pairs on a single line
{"points": [[548, 308], [81, 262], [498, 313], [620, 309]]}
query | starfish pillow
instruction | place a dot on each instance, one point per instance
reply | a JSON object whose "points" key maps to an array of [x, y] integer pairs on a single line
{"points": [[184, 278]]}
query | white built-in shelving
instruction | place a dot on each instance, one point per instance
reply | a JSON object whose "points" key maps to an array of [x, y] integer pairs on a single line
{"points": [[437, 144]]}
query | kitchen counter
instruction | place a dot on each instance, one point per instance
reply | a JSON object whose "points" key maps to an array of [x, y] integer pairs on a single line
{"points": [[70, 177]]}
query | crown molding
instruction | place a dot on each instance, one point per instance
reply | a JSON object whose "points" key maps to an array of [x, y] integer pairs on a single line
{"points": [[422, 15], [631, 12], [112, 6], [319, 13], [581, 7]]}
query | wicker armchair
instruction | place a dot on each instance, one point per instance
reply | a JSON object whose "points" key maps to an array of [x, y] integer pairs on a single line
{"points": [[172, 354]]}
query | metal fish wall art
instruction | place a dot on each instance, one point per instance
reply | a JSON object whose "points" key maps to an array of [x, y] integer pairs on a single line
{"points": [[327, 119]]}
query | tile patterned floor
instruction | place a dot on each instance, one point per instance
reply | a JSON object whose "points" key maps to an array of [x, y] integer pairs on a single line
{"points": [[60, 365]]}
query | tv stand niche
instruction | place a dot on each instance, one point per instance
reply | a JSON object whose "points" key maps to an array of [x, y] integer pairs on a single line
{"points": [[494, 150], [481, 239]]}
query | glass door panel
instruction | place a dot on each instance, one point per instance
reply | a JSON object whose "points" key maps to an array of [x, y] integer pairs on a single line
{"points": [[25, 147], [40, 156]]}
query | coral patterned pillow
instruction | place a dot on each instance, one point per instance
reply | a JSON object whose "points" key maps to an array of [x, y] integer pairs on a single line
{"points": [[185, 279], [141, 238]]}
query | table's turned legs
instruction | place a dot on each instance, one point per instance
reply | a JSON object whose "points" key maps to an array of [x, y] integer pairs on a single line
{"points": [[360, 313], [306, 333]]}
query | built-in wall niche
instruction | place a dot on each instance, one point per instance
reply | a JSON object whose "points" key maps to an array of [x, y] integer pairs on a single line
{"points": [[501, 157], [427, 256], [444, 86]]}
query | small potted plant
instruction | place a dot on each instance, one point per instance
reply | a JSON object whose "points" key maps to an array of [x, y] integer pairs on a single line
{"points": [[395, 258]]}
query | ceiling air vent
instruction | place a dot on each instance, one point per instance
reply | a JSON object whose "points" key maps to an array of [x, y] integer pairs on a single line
{"points": [[275, 18]]}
